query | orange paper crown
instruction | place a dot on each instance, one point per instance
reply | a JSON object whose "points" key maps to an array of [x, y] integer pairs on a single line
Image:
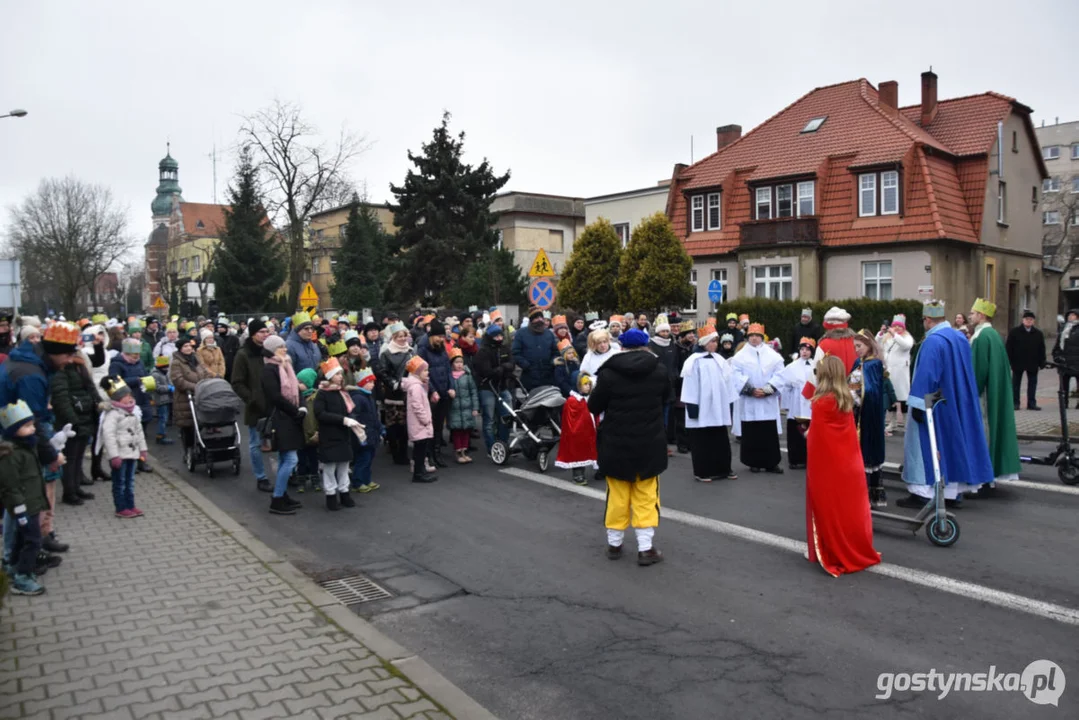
{"points": [[563, 344], [415, 365], [62, 333], [742, 317], [455, 353], [807, 341], [615, 319], [559, 320], [755, 329], [330, 368]]}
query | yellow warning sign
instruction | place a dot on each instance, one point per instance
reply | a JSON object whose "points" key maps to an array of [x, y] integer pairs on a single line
{"points": [[159, 304], [541, 266], [308, 298]]}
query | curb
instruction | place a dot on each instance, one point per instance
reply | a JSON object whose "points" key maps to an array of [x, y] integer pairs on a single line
{"points": [[428, 680]]}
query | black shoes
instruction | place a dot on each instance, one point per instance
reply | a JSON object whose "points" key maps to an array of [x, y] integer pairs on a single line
{"points": [[346, 500], [912, 502], [649, 557], [424, 477], [143, 467], [264, 485], [1031, 407], [51, 544], [280, 506], [83, 495], [71, 500], [332, 502], [292, 503], [436, 458], [614, 552]]}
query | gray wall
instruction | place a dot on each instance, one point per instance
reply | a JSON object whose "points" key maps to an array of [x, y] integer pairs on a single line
{"points": [[843, 273]]}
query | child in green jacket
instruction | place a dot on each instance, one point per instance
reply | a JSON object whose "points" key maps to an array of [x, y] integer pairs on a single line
{"points": [[22, 491]]}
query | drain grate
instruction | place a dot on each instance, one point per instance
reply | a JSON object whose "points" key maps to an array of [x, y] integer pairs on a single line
{"points": [[355, 589]]}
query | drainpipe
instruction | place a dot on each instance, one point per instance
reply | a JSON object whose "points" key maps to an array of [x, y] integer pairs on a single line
{"points": [[1000, 150]]}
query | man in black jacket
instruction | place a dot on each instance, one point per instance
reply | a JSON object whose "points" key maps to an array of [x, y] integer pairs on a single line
{"points": [[663, 347], [229, 344], [631, 390], [247, 382], [493, 368], [1026, 353], [805, 328]]}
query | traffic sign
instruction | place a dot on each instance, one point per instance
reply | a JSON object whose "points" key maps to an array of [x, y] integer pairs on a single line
{"points": [[541, 293], [309, 298], [541, 266], [159, 304], [715, 291]]}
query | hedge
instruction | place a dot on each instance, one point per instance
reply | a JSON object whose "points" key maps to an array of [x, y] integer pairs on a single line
{"points": [[780, 316]]}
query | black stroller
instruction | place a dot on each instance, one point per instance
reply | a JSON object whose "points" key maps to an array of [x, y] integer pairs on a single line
{"points": [[534, 426], [214, 407]]}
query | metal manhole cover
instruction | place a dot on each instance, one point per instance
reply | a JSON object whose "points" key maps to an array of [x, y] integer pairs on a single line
{"points": [[354, 590]]}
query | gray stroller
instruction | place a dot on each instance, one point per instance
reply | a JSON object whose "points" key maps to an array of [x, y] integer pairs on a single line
{"points": [[214, 407], [534, 426]]}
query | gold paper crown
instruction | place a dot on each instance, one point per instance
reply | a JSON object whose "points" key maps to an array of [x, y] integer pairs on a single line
{"points": [[984, 307], [62, 333], [170, 326], [116, 386]]}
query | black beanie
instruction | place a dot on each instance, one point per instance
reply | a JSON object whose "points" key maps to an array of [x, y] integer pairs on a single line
{"points": [[436, 329], [255, 326], [372, 326]]}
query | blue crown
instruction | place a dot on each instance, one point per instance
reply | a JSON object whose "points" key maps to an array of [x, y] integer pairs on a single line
{"points": [[15, 413]]}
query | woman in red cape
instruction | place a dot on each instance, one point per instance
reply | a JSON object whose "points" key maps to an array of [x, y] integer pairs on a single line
{"points": [[839, 527]]}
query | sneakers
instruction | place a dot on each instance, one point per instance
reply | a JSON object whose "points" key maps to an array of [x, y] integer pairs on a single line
{"points": [[702, 479], [135, 512], [26, 585], [280, 506], [346, 500], [373, 485], [53, 545], [877, 497], [649, 557], [264, 485], [48, 560], [126, 514], [163, 440], [362, 489]]}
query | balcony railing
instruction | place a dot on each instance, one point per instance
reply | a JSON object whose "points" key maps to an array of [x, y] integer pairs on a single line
{"points": [[780, 231]]}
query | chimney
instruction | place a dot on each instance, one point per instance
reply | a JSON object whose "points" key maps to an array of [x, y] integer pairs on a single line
{"points": [[888, 97], [727, 134], [929, 97]]}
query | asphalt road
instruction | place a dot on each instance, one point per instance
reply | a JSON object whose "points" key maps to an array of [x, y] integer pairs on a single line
{"points": [[501, 583]]}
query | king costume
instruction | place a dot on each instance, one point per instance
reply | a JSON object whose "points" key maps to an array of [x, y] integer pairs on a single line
{"points": [[993, 373], [758, 422], [799, 408], [708, 390], [577, 446]]}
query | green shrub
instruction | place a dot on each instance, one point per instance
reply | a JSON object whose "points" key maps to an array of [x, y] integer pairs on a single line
{"points": [[780, 316]]}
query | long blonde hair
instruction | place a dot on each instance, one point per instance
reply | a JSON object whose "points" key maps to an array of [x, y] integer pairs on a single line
{"points": [[832, 380], [596, 337]]}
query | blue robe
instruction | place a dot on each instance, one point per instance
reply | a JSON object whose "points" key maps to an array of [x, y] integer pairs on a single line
{"points": [[945, 363], [871, 413]]}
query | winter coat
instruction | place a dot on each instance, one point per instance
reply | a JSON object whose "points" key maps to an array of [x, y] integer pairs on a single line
{"points": [[304, 354], [1026, 348], [247, 381], [417, 409], [390, 371], [334, 439], [122, 435], [288, 424], [666, 357], [580, 343], [74, 399], [211, 358], [24, 376], [439, 363], [631, 391], [146, 355], [534, 353], [21, 479], [161, 395], [365, 412], [812, 330], [465, 401], [184, 378], [493, 366], [565, 376], [230, 345], [133, 373], [165, 347]]}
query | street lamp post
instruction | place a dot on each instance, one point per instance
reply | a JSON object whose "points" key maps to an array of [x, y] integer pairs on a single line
{"points": [[17, 112]]}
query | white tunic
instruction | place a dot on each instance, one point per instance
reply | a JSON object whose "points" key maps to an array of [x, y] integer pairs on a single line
{"points": [[757, 367], [896, 350], [709, 384], [593, 361], [794, 378]]}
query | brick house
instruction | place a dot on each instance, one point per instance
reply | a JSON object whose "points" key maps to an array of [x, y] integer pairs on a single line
{"points": [[845, 194]]}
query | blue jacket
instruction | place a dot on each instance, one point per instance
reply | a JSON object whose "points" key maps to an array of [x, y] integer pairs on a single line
{"points": [[534, 354], [25, 376], [365, 412], [304, 354], [132, 373], [566, 375], [439, 363]]}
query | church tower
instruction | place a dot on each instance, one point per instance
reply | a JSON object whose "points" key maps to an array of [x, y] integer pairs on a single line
{"points": [[157, 246], [168, 190]]}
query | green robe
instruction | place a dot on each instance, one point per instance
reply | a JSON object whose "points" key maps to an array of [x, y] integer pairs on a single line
{"points": [[147, 356], [993, 373]]}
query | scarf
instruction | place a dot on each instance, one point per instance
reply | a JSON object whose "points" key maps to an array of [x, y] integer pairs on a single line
{"points": [[661, 341], [457, 374], [290, 386], [396, 347], [120, 405], [192, 360]]}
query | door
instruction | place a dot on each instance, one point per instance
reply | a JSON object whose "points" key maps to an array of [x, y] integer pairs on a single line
{"points": [[1013, 303]]}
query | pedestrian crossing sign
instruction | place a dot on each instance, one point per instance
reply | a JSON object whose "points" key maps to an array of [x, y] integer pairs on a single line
{"points": [[541, 266], [308, 298]]}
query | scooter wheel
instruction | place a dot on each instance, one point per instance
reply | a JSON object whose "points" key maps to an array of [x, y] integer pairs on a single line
{"points": [[544, 460], [946, 535], [1068, 474], [499, 453]]}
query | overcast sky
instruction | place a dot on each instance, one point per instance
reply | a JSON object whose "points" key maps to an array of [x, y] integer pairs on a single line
{"points": [[576, 98]]}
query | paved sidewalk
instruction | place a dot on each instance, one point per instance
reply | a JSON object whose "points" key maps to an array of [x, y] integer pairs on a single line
{"points": [[1046, 422], [181, 614]]}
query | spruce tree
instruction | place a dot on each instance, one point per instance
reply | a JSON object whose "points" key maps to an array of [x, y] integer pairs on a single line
{"points": [[654, 272], [359, 270], [443, 217], [494, 279], [248, 267], [589, 277]]}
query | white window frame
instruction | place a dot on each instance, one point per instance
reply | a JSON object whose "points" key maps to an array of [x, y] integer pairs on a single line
{"points": [[1051, 184], [721, 275], [196, 264], [767, 191], [696, 205], [810, 196], [1075, 185], [1051, 217], [623, 236], [316, 263], [693, 282], [1051, 152], [878, 279], [183, 267], [764, 279], [714, 201], [862, 190], [790, 199], [886, 177], [1075, 151], [1002, 202]]}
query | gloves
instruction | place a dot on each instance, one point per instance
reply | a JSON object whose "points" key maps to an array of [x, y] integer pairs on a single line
{"points": [[301, 411], [350, 423], [59, 440], [768, 390], [115, 463], [20, 515], [694, 411], [172, 388]]}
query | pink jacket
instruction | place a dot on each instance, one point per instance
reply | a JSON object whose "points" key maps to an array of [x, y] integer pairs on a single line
{"points": [[418, 409]]}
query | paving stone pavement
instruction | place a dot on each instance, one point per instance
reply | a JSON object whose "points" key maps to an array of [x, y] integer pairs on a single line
{"points": [[169, 616]]}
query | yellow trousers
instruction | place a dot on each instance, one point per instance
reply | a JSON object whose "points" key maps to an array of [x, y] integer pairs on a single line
{"points": [[637, 500]]}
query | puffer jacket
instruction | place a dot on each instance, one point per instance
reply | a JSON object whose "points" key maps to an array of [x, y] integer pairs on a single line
{"points": [[334, 439], [161, 395], [493, 366], [74, 399], [439, 363], [466, 401], [534, 353], [184, 378], [21, 480], [121, 435], [132, 374], [211, 358], [304, 354], [417, 409], [247, 381]]}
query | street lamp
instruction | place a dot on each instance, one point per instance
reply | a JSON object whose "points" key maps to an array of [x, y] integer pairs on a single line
{"points": [[15, 113]]}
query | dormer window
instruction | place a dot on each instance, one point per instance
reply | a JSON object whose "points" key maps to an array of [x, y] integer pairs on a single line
{"points": [[199, 225], [878, 193], [697, 212], [704, 212], [814, 125]]}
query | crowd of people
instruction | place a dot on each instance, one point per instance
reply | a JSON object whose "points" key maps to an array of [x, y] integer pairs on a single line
{"points": [[325, 393]]}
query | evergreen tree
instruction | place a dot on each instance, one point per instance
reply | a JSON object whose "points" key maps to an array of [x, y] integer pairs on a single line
{"points": [[654, 272], [248, 266], [588, 279], [443, 217], [359, 272], [494, 279]]}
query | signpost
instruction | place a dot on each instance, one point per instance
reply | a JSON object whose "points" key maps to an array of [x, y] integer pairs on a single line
{"points": [[715, 291], [308, 298], [159, 303], [541, 267], [541, 292]]}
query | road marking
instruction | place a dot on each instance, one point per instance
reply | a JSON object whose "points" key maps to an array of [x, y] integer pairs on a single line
{"points": [[1000, 598]]}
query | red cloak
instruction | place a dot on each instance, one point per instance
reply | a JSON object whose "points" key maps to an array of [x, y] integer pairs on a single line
{"points": [[839, 527], [577, 446]]}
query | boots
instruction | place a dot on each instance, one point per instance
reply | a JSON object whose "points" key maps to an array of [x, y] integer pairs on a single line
{"points": [[877, 496], [143, 467], [332, 502], [51, 544], [346, 500], [280, 506], [424, 477], [164, 440], [292, 503], [437, 459]]}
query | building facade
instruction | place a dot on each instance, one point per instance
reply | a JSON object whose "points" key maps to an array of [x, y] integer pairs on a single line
{"points": [[1060, 198], [324, 237], [528, 222], [626, 210], [844, 193]]}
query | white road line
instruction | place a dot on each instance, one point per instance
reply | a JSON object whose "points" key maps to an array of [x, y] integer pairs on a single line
{"points": [[1000, 598]]}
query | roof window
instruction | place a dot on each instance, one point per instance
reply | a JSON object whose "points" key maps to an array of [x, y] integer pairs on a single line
{"points": [[199, 225], [814, 124]]}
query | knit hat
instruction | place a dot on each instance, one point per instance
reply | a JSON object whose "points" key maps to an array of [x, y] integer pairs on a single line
{"points": [[455, 353], [836, 318], [254, 326], [493, 330], [205, 333], [534, 314], [662, 324], [308, 377], [726, 338], [273, 342], [351, 337], [365, 378], [27, 331], [415, 365], [709, 337], [755, 329], [14, 416], [1029, 314], [60, 338], [633, 338], [131, 346], [372, 326], [900, 320], [330, 368], [161, 361], [933, 309], [184, 340], [115, 387], [437, 329], [615, 320]]}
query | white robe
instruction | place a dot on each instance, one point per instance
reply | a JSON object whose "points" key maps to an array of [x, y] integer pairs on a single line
{"points": [[794, 378], [710, 386], [757, 367], [897, 359], [593, 362]]}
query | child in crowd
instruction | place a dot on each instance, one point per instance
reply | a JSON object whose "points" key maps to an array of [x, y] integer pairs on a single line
{"points": [[577, 448], [22, 492], [125, 444], [332, 407], [567, 367], [162, 398], [366, 413], [465, 407], [421, 428], [307, 473]]}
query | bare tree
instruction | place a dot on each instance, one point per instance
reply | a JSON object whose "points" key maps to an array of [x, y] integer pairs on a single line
{"points": [[1060, 222], [69, 232], [130, 282], [205, 278], [300, 173]]}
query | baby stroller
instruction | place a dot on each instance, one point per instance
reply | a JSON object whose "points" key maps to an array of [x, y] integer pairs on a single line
{"points": [[214, 407], [534, 429]]}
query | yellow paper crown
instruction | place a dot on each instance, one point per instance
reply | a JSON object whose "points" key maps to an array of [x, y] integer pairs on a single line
{"points": [[170, 326], [984, 307]]}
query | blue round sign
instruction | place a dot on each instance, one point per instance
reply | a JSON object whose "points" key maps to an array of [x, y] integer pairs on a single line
{"points": [[541, 293], [715, 291]]}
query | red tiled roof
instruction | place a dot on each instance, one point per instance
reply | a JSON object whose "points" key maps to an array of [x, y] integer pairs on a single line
{"points": [[211, 216], [967, 125]]}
